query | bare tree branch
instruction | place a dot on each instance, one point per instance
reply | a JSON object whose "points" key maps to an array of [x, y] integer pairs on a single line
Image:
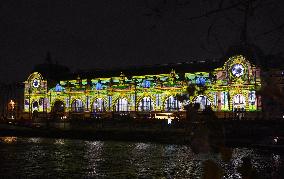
{"points": [[278, 28], [216, 11], [275, 44]]}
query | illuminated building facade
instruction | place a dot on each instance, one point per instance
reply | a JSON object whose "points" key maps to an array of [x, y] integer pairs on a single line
{"points": [[229, 87]]}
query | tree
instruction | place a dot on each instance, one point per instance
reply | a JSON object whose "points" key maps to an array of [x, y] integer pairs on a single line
{"points": [[191, 107], [272, 95]]}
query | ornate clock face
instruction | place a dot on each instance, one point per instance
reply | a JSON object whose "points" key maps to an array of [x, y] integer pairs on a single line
{"points": [[36, 83], [238, 70]]}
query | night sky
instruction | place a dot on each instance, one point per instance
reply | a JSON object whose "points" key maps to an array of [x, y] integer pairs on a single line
{"points": [[92, 34]]}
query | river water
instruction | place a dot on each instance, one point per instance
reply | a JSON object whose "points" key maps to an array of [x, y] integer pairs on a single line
{"points": [[69, 158]]}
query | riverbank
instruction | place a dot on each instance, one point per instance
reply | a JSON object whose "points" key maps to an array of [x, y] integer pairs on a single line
{"points": [[235, 133], [117, 134]]}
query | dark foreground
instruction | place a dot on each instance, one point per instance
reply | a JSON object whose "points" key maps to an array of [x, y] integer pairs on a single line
{"points": [[127, 149], [233, 133], [36, 157]]}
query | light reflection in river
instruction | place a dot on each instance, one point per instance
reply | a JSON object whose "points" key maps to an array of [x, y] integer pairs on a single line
{"points": [[8, 140], [34, 140], [59, 142], [93, 156], [57, 158]]}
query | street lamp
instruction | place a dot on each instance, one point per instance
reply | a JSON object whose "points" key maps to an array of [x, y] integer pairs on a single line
{"points": [[11, 107]]}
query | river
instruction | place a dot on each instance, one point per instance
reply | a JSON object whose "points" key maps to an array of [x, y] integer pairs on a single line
{"points": [[69, 158]]}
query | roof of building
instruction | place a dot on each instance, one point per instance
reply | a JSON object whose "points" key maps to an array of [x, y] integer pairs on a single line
{"points": [[56, 72], [182, 67]]}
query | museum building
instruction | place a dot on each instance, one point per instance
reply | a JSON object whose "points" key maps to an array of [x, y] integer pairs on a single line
{"points": [[228, 86]]}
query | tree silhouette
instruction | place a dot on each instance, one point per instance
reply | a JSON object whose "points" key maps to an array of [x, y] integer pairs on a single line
{"points": [[239, 16], [272, 95]]}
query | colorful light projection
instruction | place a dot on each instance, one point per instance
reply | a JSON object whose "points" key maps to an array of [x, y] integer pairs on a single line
{"points": [[227, 88], [146, 104], [98, 105], [172, 104], [35, 93], [122, 105], [203, 101], [77, 105]]}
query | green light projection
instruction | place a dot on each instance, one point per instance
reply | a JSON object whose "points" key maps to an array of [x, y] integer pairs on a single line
{"points": [[228, 88]]}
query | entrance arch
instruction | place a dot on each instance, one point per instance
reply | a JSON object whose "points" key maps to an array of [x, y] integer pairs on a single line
{"points": [[58, 107], [172, 104], [35, 106], [58, 110]]}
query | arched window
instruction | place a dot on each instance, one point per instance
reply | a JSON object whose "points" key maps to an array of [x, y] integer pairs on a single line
{"points": [[77, 106], [98, 105], [35, 105], [122, 105], [172, 104], [239, 102], [239, 99], [252, 100], [203, 101], [145, 104], [252, 97]]}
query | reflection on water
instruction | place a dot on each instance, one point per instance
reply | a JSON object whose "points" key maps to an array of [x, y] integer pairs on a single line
{"points": [[8, 140], [59, 141], [41, 157]]}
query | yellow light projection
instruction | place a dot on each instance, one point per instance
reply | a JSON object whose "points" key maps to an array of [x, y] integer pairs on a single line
{"points": [[228, 88]]}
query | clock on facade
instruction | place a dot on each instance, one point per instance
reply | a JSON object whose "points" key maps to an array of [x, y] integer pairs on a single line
{"points": [[36, 83], [238, 70]]}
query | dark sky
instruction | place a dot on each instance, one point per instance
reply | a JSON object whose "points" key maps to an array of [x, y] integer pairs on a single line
{"points": [[109, 34]]}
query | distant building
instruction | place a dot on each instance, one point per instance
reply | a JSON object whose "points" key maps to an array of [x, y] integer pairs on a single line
{"points": [[230, 86], [11, 100]]}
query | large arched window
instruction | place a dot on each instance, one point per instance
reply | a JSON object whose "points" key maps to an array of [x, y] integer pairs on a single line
{"points": [[146, 104], [98, 105], [122, 105], [35, 106], [203, 101], [239, 101], [172, 104], [77, 106]]}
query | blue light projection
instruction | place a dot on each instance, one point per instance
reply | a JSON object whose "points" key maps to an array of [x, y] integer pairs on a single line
{"points": [[146, 84], [200, 81], [99, 86], [58, 88]]}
